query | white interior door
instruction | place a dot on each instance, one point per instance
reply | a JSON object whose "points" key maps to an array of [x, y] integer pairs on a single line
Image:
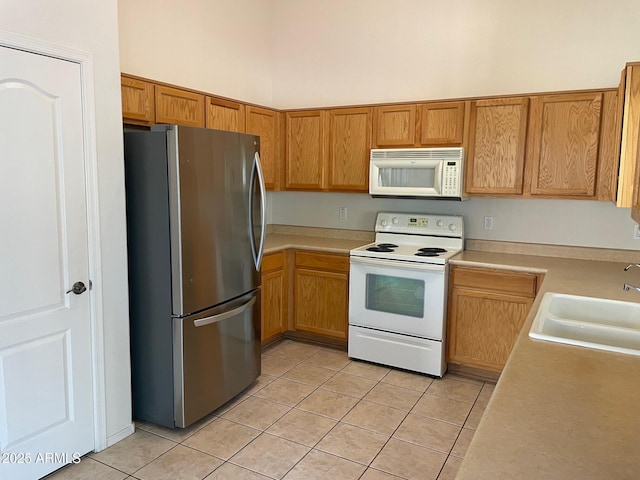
{"points": [[46, 399]]}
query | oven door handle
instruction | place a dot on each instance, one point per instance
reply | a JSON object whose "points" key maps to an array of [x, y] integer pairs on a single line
{"points": [[379, 262]]}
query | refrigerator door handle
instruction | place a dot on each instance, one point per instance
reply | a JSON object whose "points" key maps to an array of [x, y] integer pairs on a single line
{"points": [[223, 316], [257, 173]]}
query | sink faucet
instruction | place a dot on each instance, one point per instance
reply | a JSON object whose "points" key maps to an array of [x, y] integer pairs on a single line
{"points": [[628, 287]]}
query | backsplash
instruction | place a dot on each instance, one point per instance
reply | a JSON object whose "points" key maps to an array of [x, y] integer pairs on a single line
{"points": [[556, 222]]}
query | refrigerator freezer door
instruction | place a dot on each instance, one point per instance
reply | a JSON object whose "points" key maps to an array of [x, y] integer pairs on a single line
{"points": [[210, 180], [216, 356]]}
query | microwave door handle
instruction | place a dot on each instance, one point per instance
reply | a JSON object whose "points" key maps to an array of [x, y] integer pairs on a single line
{"points": [[438, 181]]}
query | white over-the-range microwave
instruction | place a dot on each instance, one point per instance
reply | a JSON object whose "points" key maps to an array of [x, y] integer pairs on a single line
{"points": [[436, 173]]}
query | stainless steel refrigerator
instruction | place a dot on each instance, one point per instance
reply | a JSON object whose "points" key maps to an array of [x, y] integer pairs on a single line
{"points": [[196, 224]]}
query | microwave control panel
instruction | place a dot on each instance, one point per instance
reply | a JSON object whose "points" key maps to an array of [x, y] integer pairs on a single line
{"points": [[451, 179]]}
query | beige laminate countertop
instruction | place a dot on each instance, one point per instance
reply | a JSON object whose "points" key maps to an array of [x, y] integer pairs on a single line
{"points": [[280, 241], [559, 411]]}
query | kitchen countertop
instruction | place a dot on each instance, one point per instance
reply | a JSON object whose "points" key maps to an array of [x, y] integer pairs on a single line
{"points": [[280, 241], [280, 237], [560, 411]]}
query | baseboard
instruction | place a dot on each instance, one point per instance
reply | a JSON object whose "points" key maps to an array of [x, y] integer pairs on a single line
{"points": [[473, 372], [316, 339], [121, 435]]}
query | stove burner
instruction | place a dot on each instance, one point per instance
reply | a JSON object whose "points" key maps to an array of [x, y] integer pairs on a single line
{"points": [[387, 245], [432, 250], [427, 254], [379, 249]]}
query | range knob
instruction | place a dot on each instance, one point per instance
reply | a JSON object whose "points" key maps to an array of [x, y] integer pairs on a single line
{"points": [[440, 223], [383, 223], [453, 227], [395, 220]]}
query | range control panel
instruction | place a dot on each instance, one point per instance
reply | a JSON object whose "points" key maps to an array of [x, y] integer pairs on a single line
{"points": [[421, 224]]}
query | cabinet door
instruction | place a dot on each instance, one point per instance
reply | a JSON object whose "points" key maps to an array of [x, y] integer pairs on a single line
{"points": [[138, 102], [320, 302], [395, 126], [274, 299], [305, 159], [321, 291], [487, 309], [265, 123], [495, 160], [441, 124], [174, 105], [225, 115], [483, 327], [563, 144], [628, 195], [349, 147]]}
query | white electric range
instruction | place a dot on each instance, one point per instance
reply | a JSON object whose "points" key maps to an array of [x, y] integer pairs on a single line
{"points": [[398, 291]]}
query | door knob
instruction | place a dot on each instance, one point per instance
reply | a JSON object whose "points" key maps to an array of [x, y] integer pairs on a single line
{"points": [[77, 288]]}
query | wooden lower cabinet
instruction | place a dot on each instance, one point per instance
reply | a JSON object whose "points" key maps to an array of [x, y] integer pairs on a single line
{"points": [[274, 295], [487, 309], [321, 293]]}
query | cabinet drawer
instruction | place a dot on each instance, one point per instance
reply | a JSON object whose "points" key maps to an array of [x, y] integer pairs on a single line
{"points": [[272, 261], [323, 261], [499, 280]]}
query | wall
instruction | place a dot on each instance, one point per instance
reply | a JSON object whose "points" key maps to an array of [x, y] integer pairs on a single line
{"points": [[91, 25], [305, 53], [216, 46], [560, 222], [340, 52], [337, 52]]}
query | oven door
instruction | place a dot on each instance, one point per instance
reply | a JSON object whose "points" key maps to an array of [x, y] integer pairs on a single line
{"points": [[400, 297]]}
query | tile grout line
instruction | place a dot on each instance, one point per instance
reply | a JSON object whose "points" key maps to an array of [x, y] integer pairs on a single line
{"points": [[460, 432], [290, 408]]}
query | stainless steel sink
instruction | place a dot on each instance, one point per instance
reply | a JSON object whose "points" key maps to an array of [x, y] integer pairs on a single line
{"points": [[588, 322]]}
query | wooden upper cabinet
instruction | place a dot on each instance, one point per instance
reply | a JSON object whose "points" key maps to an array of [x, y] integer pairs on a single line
{"points": [[174, 105], [349, 146], [607, 175], [563, 144], [395, 126], [265, 123], [138, 102], [441, 124], [497, 137], [225, 115], [305, 150], [628, 194]]}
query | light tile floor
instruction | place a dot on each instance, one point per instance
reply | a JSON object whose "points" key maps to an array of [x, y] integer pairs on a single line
{"points": [[312, 414]]}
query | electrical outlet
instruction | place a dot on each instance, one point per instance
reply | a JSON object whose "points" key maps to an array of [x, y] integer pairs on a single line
{"points": [[488, 223], [636, 232], [342, 213]]}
